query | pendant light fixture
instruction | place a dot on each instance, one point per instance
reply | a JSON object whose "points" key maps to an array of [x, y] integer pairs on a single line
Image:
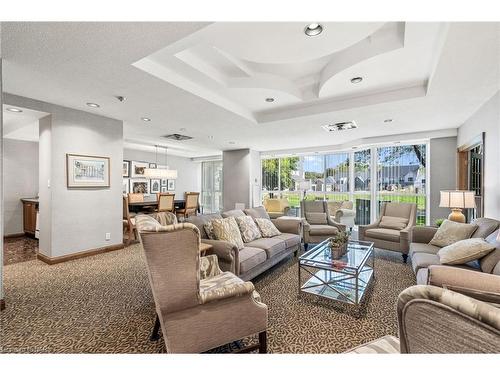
{"points": [[160, 173]]}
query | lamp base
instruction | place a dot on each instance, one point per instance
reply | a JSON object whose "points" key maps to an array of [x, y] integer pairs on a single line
{"points": [[457, 215]]}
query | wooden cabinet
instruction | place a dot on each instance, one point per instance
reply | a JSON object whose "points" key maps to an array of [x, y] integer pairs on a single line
{"points": [[30, 209]]}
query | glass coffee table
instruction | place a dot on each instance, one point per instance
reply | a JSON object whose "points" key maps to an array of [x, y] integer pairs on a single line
{"points": [[345, 279]]}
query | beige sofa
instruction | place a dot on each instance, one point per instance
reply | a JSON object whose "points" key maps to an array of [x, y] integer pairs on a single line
{"points": [[385, 237], [259, 255], [318, 225], [423, 254]]}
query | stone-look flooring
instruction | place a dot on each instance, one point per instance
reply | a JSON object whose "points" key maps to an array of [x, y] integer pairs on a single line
{"points": [[19, 249]]}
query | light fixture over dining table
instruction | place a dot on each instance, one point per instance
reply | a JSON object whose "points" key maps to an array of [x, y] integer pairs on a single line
{"points": [[160, 173]]}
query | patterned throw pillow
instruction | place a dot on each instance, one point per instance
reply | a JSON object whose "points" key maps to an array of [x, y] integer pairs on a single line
{"points": [[248, 228], [450, 232], [465, 251], [267, 228], [227, 230], [209, 230]]}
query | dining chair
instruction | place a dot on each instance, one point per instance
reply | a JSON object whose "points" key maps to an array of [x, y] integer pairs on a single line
{"points": [[135, 197], [129, 221], [165, 202], [191, 205]]}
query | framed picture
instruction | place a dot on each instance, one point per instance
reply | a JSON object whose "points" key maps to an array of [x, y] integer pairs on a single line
{"points": [[170, 185], [140, 186], [126, 168], [125, 186], [164, 182], [152, 165], [164, 189], [137, 168], [155, 186], [84, 171]]}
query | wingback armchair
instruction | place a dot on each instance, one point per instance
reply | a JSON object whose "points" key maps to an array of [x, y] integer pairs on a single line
{"points": [[437, 320], [276, 207], [317, 223], [198, 307], [392, 228]]}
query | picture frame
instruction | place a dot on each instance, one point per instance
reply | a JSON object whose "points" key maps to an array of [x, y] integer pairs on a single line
{"points": [[164, 182], [137, 168], [152, 165], [170, 185], [139, 186], [87, 171], [125, 186], [126, 168], [155, 186], [164, 189]]}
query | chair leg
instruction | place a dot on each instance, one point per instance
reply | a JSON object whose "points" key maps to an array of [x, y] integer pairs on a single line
{"points": [[263, 342], [305, 246], [156, 329], [405, 258]]}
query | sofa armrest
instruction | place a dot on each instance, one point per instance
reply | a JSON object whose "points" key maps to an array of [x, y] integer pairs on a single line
{"points": [[223, 286], [422, 234], [363, 228], [225, 251], [460, 278], [344, 212], [288, 224], [333, 223]]}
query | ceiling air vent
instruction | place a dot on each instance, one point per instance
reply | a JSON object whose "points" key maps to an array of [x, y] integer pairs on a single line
{"points": [[340, 126], [177, 137]]}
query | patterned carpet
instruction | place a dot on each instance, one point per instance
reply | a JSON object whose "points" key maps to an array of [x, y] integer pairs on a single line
{"points": [[103, 304], [19, 249]]}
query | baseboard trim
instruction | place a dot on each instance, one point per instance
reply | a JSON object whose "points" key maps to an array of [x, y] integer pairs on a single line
{"points": [[14, 235], [2, 304], [81, 254]]}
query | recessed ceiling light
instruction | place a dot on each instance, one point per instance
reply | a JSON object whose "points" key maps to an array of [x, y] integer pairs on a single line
{"points": [[388, 120], [147, 119], [17, 110], [269, 100], [346, 125], [232, 142], [93, 105], [313, 29], [356, 79]]}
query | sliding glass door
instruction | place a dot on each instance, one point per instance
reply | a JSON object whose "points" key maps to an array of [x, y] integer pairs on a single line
{"points": [[211, 182]]}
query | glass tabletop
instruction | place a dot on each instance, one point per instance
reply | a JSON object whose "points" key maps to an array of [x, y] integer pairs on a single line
{"points": [[355, 257]]}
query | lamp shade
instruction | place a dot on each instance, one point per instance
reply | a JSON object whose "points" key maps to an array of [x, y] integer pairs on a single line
{"points": [[457, 199]]}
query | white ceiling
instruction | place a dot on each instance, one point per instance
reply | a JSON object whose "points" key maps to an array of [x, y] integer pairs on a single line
{"points": [[211, 79], [23, 125]]}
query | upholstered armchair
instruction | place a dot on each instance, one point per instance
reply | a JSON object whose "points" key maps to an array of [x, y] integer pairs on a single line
{"points": [[198, 307], [392, 228], [342, 212], [317, 223], [276, 207], [437, 320]]}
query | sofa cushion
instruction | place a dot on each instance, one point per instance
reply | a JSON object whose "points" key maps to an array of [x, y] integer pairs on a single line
{"points": [[398, 209], [290, 239], [272, 246], [227, 230], [267, 228], [423, 260], [257, 212], [485, 227], [464, 251], [201, 220], [251, 257], [416, 247], [450, 232], [422, 276], [489, 261], [393, 222], [323, 230], [248, 229], [316, 218], [233, 213], [384, 234]]}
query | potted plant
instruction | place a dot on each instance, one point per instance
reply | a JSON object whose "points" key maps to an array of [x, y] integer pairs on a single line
{"points": [[338, 244], [438, 222]]}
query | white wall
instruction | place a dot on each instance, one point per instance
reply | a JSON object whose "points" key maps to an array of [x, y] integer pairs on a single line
{"points": [[487, 119], [20, 172], [188, 171], [74, 220]]}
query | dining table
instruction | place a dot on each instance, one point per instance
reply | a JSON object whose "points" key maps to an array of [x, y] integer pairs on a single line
{"points": [[152, 201]]}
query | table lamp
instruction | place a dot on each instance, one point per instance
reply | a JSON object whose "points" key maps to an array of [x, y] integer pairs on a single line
{"points": [[457, 200]]}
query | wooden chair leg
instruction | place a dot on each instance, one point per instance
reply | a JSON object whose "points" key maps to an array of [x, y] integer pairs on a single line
{"points": [[263, 342], [128, 235]]}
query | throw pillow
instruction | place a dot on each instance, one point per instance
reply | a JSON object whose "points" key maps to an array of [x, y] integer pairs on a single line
{"points": [[450, 232], [393, 222], [248, 229], [227, 230], [316, 218], [464, 251], [209, 230], [267, 228]]}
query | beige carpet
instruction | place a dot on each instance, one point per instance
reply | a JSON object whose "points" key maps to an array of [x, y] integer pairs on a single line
{"points": [[103, 304]]}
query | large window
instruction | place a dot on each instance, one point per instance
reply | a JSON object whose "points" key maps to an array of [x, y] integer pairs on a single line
{"points": [[367, 177], [211, 190]]}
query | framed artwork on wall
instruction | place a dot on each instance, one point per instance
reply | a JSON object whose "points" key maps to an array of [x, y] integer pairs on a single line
{"points": [[164, 182], [125, 186], [85, 171], [152, 165], [126, 168], [164, 189], [171, 185], [155, 186], [137, 168], [140, 186]]}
